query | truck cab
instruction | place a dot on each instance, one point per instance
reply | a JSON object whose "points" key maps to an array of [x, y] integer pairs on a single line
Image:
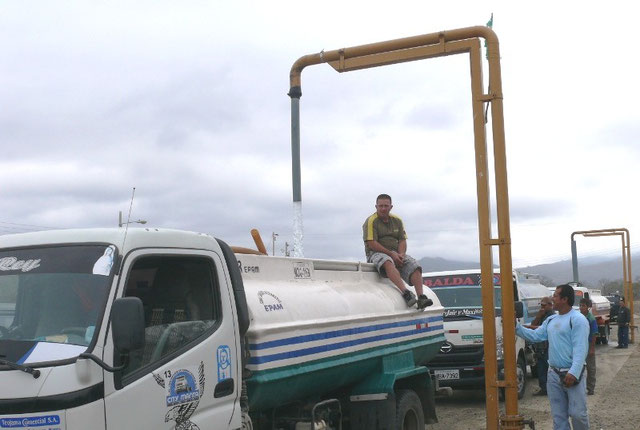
{"points": [[460, 362], [61, 290]]}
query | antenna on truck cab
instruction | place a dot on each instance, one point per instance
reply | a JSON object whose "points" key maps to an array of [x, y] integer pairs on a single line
{"points": [[126, 228]]}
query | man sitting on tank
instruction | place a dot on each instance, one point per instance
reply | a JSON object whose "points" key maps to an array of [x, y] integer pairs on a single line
{"points": [[385, 243]]}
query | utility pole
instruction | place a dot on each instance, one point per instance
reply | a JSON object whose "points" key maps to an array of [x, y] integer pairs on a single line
{"points": [[286, 249], [273, 243]]}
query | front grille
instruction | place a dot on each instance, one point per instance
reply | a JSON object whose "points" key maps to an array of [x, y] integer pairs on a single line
{"points": [[467, 355]]}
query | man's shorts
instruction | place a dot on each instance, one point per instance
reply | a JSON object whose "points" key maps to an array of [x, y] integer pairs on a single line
{"points": [[410, 265]]}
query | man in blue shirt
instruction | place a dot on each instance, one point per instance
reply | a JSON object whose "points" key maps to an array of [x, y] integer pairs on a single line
{"points": [[568, 334]]}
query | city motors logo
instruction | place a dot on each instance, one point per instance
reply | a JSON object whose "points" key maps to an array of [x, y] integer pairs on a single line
{"points": [[182, 388]]}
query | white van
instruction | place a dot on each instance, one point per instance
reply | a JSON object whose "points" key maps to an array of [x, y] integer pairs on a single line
{"points": [[460, 362]]}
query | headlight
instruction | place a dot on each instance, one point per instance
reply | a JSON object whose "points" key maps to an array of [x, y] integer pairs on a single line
{"points": [[499, 348]]}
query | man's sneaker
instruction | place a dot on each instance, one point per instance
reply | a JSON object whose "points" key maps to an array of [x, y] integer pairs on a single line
{"points": [[424, 301], [409, 298]]}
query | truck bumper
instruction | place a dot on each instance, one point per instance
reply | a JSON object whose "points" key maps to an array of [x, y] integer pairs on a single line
{"points": [[469, 376]]}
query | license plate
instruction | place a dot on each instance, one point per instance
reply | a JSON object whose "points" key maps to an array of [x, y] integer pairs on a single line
{"points": [[447, 374]]}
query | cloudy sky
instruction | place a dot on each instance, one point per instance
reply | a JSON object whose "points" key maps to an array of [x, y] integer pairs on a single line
{"points": [[186, 101]]}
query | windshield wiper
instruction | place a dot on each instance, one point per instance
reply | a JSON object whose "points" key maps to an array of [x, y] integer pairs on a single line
{"points": [[26, 369]]}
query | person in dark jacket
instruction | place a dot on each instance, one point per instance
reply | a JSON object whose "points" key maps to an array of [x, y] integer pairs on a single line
{"points": [[585, 306], [624, 317], [542, 348]]}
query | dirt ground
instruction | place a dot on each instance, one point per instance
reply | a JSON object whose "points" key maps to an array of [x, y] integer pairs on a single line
{"points": [[615, 405]]}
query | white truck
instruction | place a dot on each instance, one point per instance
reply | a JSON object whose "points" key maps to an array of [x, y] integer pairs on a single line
{"points": [[163, 329], [460, 362]]}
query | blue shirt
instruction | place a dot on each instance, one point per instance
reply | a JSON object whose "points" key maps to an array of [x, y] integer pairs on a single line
{"points": [[568, 336], [593, 325]]}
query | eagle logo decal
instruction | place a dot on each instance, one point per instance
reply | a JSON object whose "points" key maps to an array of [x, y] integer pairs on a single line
{"points": [[183, 396]]}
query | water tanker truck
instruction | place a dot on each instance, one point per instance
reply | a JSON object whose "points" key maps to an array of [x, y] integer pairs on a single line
{"points": [[165, 329]]}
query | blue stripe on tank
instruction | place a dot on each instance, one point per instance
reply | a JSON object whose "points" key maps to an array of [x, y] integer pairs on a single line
{"points": [[339, 333], [339, 345]]}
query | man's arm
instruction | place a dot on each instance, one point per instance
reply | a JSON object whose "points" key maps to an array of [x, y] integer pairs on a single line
{"points": [[377, 247], [537, 321], [537, 335], [594, 335], [402, 249], [580, 344]]}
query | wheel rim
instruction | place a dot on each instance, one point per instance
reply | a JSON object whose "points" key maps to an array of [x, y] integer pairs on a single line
{"points": [[520, 377], [410, 421]]}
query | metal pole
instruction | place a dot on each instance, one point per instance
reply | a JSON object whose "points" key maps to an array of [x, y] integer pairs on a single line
{"points": [[632, 336], [273, 243], [484, 238], [298, 231], [574, 259], [511, 418]]}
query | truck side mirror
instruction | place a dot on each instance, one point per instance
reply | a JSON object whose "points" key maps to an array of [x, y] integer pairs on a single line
{"points": [[519, 309], [127, 322]]}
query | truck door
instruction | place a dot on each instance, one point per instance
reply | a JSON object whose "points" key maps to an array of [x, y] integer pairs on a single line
{"points": [[186, 374]]}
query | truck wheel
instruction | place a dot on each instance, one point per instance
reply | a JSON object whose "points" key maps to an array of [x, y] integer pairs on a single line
{"points": [[521, 376], [246, 422], [521, 380], [409, 414]]}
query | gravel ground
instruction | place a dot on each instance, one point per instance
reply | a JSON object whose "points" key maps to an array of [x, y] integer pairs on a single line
{"points": [[615, 405]]}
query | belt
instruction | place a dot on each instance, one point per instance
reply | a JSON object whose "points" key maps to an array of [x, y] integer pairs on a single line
{"points": [[563, 372]]}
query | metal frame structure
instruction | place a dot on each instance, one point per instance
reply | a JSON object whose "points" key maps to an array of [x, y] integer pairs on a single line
{"points": [[626, 263], [460, 41]]}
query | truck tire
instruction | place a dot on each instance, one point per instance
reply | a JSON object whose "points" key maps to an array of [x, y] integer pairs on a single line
{"points": [[521, 376], [534, 368], [521, 380], [247, 424], [409, 414]]}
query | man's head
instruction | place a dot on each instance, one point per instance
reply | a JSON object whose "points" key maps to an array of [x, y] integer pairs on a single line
{"points": [[585, 305], [621, 301], [546, 304], [383, 206], [563, 298]]}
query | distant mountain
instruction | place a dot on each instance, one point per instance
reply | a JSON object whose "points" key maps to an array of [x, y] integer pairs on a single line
{"points": [[590, 270], [590, 273]]}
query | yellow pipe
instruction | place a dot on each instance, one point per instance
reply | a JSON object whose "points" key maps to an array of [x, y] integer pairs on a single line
{"points": [[391, 45], [626, 265], [258, 241], [435, 45]]}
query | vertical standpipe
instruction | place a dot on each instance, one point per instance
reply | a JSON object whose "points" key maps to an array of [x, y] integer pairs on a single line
{"points": [[460, 41], [298, 231], [574, 259]]}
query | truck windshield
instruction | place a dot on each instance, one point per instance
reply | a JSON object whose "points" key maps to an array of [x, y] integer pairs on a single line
{"points": [[461, 290], [55, 294], [466, 297]]}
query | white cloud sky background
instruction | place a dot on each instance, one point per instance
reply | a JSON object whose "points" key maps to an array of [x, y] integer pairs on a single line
{"points": [[187, 102]]}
